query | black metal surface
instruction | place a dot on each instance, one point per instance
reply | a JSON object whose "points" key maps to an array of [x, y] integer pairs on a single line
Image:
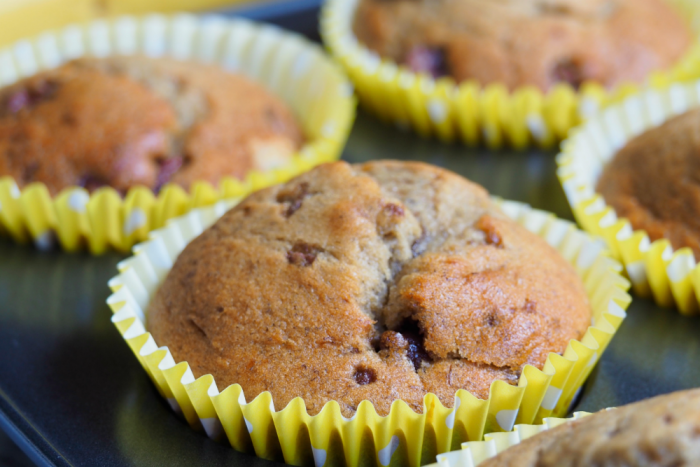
{"points": [[71, 392], [296, 15]]}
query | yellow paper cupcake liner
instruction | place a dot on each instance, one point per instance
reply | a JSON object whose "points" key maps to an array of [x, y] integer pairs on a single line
{"points": [[475, 452], [671, 277], [401, 438], [287, 64], [472, 113]]}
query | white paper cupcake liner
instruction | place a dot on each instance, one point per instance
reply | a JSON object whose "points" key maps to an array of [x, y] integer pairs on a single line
{"points": [[475, 452], [401, 438], [655, 269]]}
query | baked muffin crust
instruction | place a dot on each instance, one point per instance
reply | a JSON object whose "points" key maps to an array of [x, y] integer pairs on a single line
{"points": [[654, 181], [126, 121], [662, 431], [381, 281], [526, 42]]}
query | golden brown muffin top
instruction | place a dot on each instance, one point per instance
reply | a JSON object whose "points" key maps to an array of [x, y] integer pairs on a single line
{"points": [[526, 42], [662, 431], [381, 281], [654, 181], [126, 121]]}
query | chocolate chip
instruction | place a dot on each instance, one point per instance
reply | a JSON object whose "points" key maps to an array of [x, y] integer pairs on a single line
{"points": [[491, 235], [492, 319], [31, 95], [302, 254], [30, 169], [364, 375], [294, 196], [69, 119], [568, 71], [92, 182], [168, 168], [430, 60], [17, 101], [492, 238], [293, 207], [409, 338], [220, 309]]}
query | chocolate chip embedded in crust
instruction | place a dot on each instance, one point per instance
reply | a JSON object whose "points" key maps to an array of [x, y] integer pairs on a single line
{"points": [[294, 196], [430, 60], [17, 101], [293, 207], [364, 375], [69, 119], [92, 182], [29, 171], [30, 96], [302, 254], [492, 319], [568, 71], [492, 238], [409, 339], [491, 235], [168, 168]]}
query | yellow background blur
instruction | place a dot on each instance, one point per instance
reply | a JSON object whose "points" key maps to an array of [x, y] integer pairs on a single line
{"points": [[26, 18]]}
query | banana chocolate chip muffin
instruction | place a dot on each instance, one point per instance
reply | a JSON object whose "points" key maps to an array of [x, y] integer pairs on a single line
{"points": [[654, 181], [662, 431], [378, 282], [526, 42], [126, 121]]}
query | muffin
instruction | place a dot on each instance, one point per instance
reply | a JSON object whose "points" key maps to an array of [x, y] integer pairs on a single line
{"points": [[526, 42], [127, 121], [654, 181], [377, 282], [662, 431]]}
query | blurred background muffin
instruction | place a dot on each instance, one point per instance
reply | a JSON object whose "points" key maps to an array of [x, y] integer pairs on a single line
{"points": [[654, 181], [526, 42], [127, 121], [661, 431]]}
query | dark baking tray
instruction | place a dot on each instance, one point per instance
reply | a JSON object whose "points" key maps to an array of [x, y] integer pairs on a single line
{"points": [[71, 392]]}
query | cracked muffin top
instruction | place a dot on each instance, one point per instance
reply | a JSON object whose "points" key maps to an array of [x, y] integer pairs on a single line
{"points": [[526, 42], [654, 181], [126, 121], [662, 431], [382, 281]]}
